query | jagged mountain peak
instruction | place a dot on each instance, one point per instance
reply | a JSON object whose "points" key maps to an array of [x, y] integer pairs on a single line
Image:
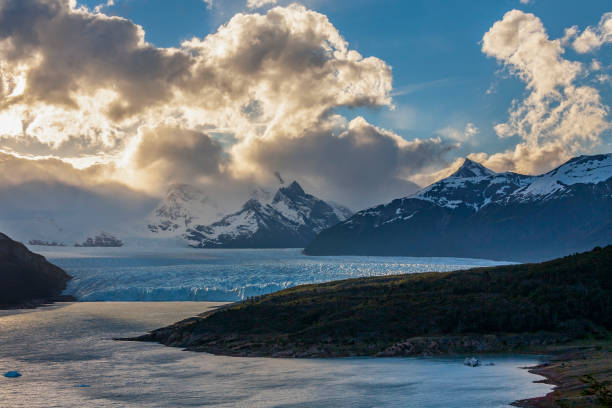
{"points": [[472, 186], [292, 190], [478, 213], [291, 219], [470, 168], [182, 205], [182, 192], [252, 204]]}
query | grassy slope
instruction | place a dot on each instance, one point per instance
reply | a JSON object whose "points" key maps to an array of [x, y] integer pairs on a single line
{"points": [[368, 316]]}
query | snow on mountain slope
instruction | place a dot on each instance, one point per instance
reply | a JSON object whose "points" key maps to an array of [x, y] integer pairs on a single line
{"points": [[475, 186], [341, 211], [579, 170], [476, 212], [472, 186], [183, 206], [290, 219]]}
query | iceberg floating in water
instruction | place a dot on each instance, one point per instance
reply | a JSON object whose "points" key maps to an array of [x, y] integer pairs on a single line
{"points": [[12, 374], [472, 362]]}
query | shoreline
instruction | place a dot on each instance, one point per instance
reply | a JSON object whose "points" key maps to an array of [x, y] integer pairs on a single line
{"points": [[567, 368], [563, 366], [36, 303]]}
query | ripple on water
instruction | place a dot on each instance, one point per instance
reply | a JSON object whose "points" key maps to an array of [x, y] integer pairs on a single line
{"points": [[68, 359]]}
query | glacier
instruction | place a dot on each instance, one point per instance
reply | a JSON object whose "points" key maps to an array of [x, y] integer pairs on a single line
{"points": [[185, 274]]}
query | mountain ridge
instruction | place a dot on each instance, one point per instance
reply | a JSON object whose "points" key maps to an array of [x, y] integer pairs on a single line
{"points": [[183, 206], [478, 213], [290, 219]]}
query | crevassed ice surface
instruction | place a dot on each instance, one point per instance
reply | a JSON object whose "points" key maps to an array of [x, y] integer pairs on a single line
{"points": [[128, 274], [68, 359]]}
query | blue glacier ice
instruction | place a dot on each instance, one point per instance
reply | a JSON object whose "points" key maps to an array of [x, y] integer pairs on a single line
{"points": [[185, 274]]}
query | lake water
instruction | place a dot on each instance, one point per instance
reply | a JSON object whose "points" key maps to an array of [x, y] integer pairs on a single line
{"points": [[177, 274], [68, 359]]}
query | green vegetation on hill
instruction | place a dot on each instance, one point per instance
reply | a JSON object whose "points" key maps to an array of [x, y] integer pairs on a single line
{"points": [[484, 309]]}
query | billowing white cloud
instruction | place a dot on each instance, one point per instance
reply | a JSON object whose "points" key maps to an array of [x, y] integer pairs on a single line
{"points": [[109, 3], [51, 200], [79, 85], [326, 160], [559, 117], [253, 4], [592, 38], [175, 154], [521, 43], [460, 135]]}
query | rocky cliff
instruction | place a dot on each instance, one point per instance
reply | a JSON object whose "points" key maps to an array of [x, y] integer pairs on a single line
{"points": [[27, 278]]}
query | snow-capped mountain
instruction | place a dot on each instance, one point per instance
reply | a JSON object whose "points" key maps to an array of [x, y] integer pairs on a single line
{"points": [[476, 212], [472, 186], [579, 170], [183, 206], [290, 219]]}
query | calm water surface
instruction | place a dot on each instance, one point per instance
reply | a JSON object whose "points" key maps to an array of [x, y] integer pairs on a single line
{"points": [[68, 359]]}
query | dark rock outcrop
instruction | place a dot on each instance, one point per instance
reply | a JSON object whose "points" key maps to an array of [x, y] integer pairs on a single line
{"points": [[26, 278], [104, 239]]}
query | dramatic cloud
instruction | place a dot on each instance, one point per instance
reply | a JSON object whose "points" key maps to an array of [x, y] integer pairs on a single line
{"points": [[521, 43], [81, 86], [51, 200], [559, 117], [360, 163], [15, 170], [174, 154], [65, 52]]}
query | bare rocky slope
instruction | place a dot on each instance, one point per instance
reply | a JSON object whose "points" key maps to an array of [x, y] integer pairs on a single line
{"points": [[26, 278]]}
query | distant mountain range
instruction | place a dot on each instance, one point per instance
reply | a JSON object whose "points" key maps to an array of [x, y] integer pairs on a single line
{"points": [[183, 206], [290, 219], [479, 213]]}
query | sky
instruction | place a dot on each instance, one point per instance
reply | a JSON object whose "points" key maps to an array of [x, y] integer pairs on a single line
{"points": [[361, 101]]}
